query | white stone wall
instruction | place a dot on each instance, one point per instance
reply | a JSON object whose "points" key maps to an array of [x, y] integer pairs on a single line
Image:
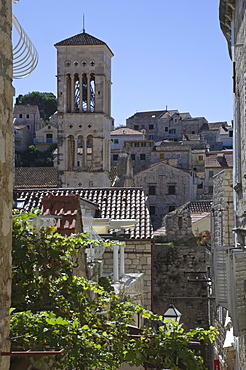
{"points": [[6, 119]]}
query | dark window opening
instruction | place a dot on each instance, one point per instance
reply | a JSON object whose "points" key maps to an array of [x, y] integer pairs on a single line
{"points": [[142, 157], [133, 156], [151, 127], [171, 189], [152, 190], [115, 157], [49, 138], [171, 208], [152, 210]]}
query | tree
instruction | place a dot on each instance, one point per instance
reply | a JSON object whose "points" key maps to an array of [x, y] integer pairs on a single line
{"points": [[33, 157], [54, 309], [46, 102]]}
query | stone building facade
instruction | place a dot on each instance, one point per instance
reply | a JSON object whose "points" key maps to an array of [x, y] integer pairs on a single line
{"points": [[232, 16], [222, 220], [6, 173], [166, 124], [167, 188]]}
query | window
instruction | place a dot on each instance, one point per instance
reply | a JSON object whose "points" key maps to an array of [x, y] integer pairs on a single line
{"points": [[192, 132], [115, 157], [151, 137], [27, 116], [172, 131], [210, 189], [152, 190], [152, 210], [161, 155], [142, 157], [133, 157], [49, 138], [20, 115], [171, 208], [166, 129], [200, 186], [136, 127], [171, 189], [210, 173], [200, 158], [116, 141], [151, 127], [230, 133]]}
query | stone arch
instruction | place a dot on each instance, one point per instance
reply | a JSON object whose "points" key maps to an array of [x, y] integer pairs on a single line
{"points": [[76, 92], [89, 151], [81, 154], [68, 93], [92, 92], [84, 92], [71, 152]]}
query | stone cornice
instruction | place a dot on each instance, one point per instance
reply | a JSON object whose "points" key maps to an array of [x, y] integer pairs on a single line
{"points": [[226, 8]]}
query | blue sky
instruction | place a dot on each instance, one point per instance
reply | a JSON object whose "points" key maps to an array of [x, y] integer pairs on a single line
{"points": [[167, 52]]}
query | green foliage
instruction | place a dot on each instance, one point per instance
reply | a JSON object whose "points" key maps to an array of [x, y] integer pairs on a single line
{"points": [[54, 309], [32, 157], [46, 102]]}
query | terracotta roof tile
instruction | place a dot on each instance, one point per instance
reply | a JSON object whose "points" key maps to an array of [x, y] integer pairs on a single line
{"points": [[66, 209], [35, 177], [125, 131], [114, 203], [81, 39]]}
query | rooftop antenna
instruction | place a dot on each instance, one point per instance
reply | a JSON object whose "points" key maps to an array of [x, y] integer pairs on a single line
{"points": [[83, 23]]}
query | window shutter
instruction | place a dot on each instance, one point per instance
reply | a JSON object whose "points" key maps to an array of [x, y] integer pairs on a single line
{"points": [[236, 280], [220, 275]]}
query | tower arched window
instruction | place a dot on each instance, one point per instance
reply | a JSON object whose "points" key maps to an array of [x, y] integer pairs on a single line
{"points": [[80, 151], [71, 152], [84, 93], [89, 151], [68, 88], [76, 93], [92, 92]]}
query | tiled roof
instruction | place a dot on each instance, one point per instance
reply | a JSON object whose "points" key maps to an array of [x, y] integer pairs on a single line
{"points": [[198, 206], [222, 159], [25, 109], [125, 131], [67, 212], [82, 39], [154, 114], [35, 177], [114, 203]]}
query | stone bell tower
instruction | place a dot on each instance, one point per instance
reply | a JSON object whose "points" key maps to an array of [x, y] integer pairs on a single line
{"points": [[84, 111]]}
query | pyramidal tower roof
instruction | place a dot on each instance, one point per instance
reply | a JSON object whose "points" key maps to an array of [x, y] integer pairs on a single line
{"points": [[81, 39]]}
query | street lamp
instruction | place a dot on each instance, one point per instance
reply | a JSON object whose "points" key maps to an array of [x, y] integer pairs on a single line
{"points": [[172, 314]]}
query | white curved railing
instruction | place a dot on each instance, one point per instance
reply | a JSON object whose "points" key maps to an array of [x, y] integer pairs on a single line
{"points": [[25, 55]]}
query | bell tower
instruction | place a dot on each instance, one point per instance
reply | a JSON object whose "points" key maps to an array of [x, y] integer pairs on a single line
{"points": [[84, 111]]}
